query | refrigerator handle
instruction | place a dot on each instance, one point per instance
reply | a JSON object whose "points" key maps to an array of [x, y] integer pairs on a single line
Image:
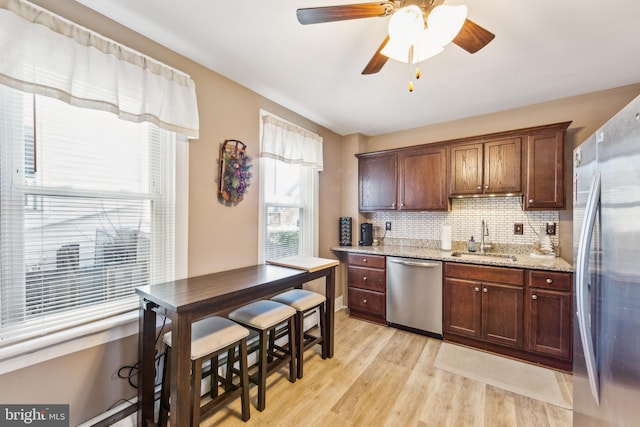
{"points": [[582, 294]]}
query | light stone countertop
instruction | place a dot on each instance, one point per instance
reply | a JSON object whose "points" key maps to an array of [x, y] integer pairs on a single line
{"points": [[522, 260]]}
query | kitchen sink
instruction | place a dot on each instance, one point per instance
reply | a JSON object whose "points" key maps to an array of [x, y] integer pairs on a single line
{"points": [[485, 256]]}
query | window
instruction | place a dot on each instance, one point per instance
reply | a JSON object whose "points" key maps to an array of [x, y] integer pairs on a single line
{"points": [[289, 168], [288, 209], [86, 215]]}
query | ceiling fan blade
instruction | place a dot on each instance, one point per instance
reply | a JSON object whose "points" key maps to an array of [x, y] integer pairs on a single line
{"points": [[377, 61], [472, 37], [316, 15]]}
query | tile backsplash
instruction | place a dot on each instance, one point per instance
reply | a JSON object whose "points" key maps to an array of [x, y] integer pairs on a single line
{"points": [[465, 218]]}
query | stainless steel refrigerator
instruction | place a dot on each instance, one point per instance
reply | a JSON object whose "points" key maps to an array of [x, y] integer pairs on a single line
{"points": [[606, 367]]}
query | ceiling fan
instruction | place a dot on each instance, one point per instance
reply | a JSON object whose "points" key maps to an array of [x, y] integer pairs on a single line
{"points": [[471, 36]]}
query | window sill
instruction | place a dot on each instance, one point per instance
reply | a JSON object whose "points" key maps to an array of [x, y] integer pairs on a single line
{"points": [[66, 342]]}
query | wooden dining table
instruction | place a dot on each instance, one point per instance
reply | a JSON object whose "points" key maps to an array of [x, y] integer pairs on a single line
{"points": [[185, 301]]}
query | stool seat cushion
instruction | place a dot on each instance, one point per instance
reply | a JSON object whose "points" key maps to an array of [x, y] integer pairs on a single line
{"points": [[300, 299], [263, 314], [212, 334]]}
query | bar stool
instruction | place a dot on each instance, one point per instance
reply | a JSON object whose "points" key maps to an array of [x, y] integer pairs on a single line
{"points": [[211, 337], [263, 317], [305, 301]]}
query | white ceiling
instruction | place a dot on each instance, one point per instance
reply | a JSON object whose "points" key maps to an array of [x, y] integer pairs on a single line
{"points": [[543, 50]]}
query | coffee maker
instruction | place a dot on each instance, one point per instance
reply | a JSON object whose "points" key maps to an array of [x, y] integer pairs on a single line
{"points": [[366, 234]]}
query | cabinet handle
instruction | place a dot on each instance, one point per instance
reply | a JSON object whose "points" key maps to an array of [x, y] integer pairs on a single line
{"points": [[364, 301], [534, 296], [479, 187], [549, 281], [530, 200], [477, 289], [486, 186], [364, 260], [485, 290], [364, 278], [393, 205], [401, 204]]}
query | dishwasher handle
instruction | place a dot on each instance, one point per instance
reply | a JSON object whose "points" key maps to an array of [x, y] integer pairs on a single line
{"points": [[415, 264]]}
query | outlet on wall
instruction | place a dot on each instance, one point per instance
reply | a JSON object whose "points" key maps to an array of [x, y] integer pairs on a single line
{"points": [[388, 225], [517, 228], [551, 228]]}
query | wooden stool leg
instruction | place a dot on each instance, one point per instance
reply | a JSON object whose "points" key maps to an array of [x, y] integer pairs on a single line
{"points": [[323, 330], [300, 341], [244, 380], [213, 374], [292, 350], [231, 360], [163, 416], [262, 369], [271, 345]]}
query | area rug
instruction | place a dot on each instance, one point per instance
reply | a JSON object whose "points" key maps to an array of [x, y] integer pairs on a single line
{"points": [[508, 374]]}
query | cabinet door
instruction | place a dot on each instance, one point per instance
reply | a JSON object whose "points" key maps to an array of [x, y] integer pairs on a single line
{"points": [[377, 179], [544, 170], [550, 323], [466, 169], [462, 302], [422, 183], [502, 166], [502, 314]]}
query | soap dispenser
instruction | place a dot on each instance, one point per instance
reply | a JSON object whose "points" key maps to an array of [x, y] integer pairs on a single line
{"points": [[472, 245]]}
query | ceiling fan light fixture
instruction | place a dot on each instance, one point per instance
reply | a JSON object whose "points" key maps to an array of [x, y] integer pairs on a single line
{"points": [[424, 47], [406, 24], [446, 22]]}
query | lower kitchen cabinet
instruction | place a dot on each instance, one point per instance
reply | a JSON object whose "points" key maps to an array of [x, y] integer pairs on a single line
{"points": [[502, 313], [366, 287], [462, 307], [520, 313], [550, 320], [487, 304]]}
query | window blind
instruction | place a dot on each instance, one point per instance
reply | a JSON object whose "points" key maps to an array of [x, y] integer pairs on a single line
{"points": [[86, 215]]}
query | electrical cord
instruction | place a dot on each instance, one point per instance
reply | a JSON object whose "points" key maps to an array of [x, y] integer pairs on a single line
{"points": [[129, 372]]}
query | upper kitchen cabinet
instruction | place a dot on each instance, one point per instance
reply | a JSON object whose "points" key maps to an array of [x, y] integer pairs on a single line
{"points": [[544, 168], [490, 167], [423, 176], [407, 179], [378, 181]]}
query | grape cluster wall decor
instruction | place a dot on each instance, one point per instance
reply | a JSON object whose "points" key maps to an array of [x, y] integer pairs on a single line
{"points": [[234, 175]]}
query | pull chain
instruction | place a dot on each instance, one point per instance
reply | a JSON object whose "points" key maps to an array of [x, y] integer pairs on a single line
{"points": [[417, 71], [410, 65]]}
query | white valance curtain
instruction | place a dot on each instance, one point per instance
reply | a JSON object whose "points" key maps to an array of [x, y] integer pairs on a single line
{"points": [[289, 143], [45, 54]]}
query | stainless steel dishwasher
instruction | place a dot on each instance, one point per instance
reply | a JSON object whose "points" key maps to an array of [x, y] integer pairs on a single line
{"points": [[414, 295]]}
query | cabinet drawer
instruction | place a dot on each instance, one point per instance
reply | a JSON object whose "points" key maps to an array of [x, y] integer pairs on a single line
{"points": [[367, 301], [367, 278], [550, 280], [513, 276], [364, 260]]}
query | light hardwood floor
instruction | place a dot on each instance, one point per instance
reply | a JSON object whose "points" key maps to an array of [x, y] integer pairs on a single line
{"points": [[383, 376]]}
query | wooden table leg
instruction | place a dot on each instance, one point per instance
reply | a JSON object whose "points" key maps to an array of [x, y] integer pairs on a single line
{"points": [[330, 290], [180, 370], [146, 354]]}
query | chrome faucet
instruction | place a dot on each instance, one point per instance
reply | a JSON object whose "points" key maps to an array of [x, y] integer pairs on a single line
{"points": [[483, 233]]}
